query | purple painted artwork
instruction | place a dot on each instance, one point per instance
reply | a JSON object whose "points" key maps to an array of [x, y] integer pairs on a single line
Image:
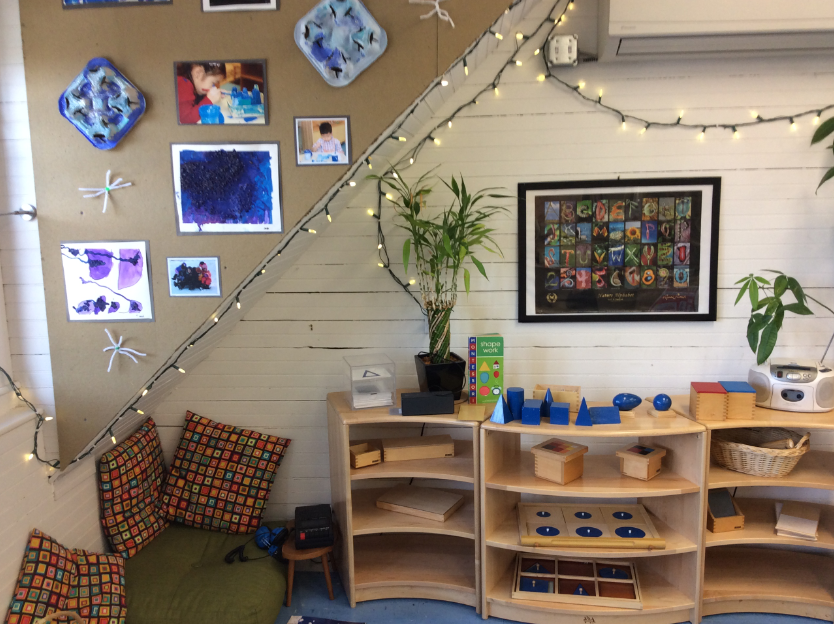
{"points": [[96, 292], [228, 188]]}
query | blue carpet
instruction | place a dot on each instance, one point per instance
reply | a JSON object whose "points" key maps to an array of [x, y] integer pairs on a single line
{"points": [[310, 598]]}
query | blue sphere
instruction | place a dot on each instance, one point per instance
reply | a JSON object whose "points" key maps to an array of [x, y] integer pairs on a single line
{"points": [[625, 401], [662, 402]]}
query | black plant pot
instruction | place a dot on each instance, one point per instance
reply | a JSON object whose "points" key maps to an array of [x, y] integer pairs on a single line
{"points": [[446, 376]]}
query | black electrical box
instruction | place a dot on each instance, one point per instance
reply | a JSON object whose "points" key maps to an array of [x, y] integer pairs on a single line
{"points": [[313, 527]]}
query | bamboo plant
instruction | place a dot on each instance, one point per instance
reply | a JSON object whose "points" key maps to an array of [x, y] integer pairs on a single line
{"points": [[441, 245], [824, 130]]}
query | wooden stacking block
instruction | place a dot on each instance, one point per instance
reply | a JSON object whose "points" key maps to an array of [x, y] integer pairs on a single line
{"points": [[741, 399], [421, 502], [365, 454], [723, 513], [472, 412], [708, 401], [559, 461], [423, 447], [641, 462], [560, 394]]}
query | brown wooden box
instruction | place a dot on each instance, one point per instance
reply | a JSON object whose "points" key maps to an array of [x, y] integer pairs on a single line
{"points": [[708, 401], [365, 454], [730, 523], [741, 405], [560, 394], [423, 447], [641, 462], [559, 461]]}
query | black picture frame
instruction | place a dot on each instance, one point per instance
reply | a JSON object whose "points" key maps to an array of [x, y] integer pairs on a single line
{"points": [[660, 293]]}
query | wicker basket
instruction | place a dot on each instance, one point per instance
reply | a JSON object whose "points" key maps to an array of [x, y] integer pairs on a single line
{"points": [[738, 450]]}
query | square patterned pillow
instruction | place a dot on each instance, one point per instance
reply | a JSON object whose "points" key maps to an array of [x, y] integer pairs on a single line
{"points": [[130, 483], [98, 592], [221, 476], [44, 583]]}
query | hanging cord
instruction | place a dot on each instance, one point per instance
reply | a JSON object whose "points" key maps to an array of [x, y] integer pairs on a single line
{"points": [[40, 419]]}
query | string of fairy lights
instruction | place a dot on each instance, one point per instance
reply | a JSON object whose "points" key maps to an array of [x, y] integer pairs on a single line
{"points": [[555, 18]]}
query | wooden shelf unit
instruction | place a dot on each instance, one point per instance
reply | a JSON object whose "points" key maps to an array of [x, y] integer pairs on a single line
{"points": [[384, 554], [675, 499], [740, 572]]}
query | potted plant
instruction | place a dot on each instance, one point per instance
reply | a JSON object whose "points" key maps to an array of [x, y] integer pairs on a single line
{"points": [[768, 310], [440, 246]]}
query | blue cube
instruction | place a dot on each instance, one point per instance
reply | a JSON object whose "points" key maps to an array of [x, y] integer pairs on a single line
{"points": [[531, 412], [559, 413]]}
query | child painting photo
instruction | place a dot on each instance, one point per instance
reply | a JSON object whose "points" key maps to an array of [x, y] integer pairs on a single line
{"points": [[221, 92], [322, 141]]}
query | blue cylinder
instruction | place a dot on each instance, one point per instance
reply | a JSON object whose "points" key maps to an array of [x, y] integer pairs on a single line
{"points": [[515, 399]]}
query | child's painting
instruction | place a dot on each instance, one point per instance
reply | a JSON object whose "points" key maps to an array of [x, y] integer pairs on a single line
{"points": [[239, 5], [107, 281], [227, 188], [106, 3], [194, 277], [322, 141], [221, 92]]}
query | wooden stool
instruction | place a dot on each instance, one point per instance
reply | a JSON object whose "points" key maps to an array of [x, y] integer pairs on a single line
{"points": [[292, 554]]}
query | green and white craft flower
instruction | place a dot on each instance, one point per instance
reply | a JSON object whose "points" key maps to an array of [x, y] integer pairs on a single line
{"points": [[98, 192]]}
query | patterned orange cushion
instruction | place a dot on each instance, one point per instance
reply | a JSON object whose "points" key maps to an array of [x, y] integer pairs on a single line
{"points": [[221, 476], [56, 579], [130, 482]]}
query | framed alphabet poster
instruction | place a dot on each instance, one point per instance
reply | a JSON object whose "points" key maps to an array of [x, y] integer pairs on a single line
{"points": [[618, 250]]}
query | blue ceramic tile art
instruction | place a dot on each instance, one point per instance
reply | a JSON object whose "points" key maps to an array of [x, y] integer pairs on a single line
{"points": [[341, 39], [102, 104]]}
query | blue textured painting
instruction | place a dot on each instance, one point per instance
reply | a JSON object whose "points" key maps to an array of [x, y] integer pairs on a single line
{"points": [[102, 104], [341, 39], [227, 188]]}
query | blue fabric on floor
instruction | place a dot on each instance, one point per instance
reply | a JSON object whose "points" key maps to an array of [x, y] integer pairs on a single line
{"points": [[309, 597]]}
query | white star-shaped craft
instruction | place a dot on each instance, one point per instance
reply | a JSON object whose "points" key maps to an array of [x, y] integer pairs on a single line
{"points": [[117, 348], [441, 13], [97, 192]]}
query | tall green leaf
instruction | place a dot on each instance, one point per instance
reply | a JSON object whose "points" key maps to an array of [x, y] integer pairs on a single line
{"points": [[479, 266], [825, 128], [798, 308], [406, 253], [466, 280], [753, 334], [780, 286], [769, 336], [828, 175], [754, 295], [742, 291]]}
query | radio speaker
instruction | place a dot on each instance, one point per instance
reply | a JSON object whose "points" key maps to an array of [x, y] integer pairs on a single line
{"points": [[761, 383], [825, 393]]}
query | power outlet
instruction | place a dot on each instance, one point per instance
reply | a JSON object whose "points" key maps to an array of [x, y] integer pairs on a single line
{"points": [[562, 50]]}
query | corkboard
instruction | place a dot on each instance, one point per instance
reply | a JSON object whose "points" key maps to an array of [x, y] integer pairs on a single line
{"points": [[143, 42]]}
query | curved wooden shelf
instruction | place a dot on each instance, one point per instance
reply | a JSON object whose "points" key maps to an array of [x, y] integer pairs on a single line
{"points": [[461, 467], [760, 523], [369, 519], [600, 479], [411, 566], [768, 581], [814, 470], [506, 536], [762, 417], [662, 603]]}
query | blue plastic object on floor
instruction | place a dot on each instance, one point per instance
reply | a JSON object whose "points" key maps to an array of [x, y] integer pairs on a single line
{"points": [[559, 413], [607, 415], [583, 419]]}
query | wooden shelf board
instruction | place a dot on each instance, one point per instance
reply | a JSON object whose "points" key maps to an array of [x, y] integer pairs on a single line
{"points": [[601, 478], [369, 519], [506, 536], [762, 417], [414, 561], [378, 415], [739, 575], [659, 596], [642, 424], [760, 523], [814, 470], [461, 467]]}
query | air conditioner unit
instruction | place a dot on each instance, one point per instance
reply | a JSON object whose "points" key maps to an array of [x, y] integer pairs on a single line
{"points": [[646, 29]]}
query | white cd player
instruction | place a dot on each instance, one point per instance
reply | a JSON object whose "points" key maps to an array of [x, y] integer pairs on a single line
{"points": [[793, 385]]}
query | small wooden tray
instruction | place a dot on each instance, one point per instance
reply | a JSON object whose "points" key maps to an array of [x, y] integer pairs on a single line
{"points": [[422, 447], [365, 454], [421, 502]]}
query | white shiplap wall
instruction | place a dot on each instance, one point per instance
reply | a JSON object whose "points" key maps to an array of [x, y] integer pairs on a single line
{"points": [[274, 370], [68, 510]]}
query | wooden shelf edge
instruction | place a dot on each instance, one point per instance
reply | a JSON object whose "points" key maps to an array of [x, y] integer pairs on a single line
{"points": [[718, 606], [516, 612], [814, 470], [465, 596]]}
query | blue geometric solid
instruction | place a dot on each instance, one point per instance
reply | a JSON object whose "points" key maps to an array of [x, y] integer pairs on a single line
{"points": [[559, 413], [607, 415], [531, 412], [501, 414], [583, 419], [515, 399]]}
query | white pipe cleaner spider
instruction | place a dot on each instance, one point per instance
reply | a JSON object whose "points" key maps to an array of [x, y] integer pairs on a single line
{"points": [[118, 348], [441, 13], [106, 190]]}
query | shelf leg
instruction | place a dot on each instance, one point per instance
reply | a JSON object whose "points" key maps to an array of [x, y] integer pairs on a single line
{"points": [[325, 562], [290, 577]]}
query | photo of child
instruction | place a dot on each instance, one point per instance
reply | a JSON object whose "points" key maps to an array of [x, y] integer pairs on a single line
{"points": [[322, 141], [221, 92]]}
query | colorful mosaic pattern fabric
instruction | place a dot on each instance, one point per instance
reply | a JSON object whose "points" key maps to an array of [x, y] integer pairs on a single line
{"points": [[130, 483], [221, 476], [56, 579], [98, 592]]}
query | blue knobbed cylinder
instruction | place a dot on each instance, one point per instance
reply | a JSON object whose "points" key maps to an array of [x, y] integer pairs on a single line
{"points": [[626, 401]]}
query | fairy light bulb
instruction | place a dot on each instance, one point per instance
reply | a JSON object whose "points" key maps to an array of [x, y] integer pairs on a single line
{"points": [[216, 319], [113, 439], [178, 368], [793, 125], [410, 161], [436, 141], [581, 84], [396, 177], [412, 282], [444, 83], [754, 114], [389, 197], [519, 36], [450, 123], [816, 119], [237, 302], [537, 52], [145, 392], [518, 63], [624, 124], [48, 418], [702, 135], [570, 5], [465, 67], [30, 457], [498, 36], [368, 162], [736, 135], [370, 212], [380, 265], [379, 246], [263, 271], [540, 77], [643, 130], [496, 90]]}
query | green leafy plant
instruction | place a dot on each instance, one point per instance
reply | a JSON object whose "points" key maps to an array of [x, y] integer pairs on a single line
{"points": [[825, 129], [768, 310], [441, 245]]}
